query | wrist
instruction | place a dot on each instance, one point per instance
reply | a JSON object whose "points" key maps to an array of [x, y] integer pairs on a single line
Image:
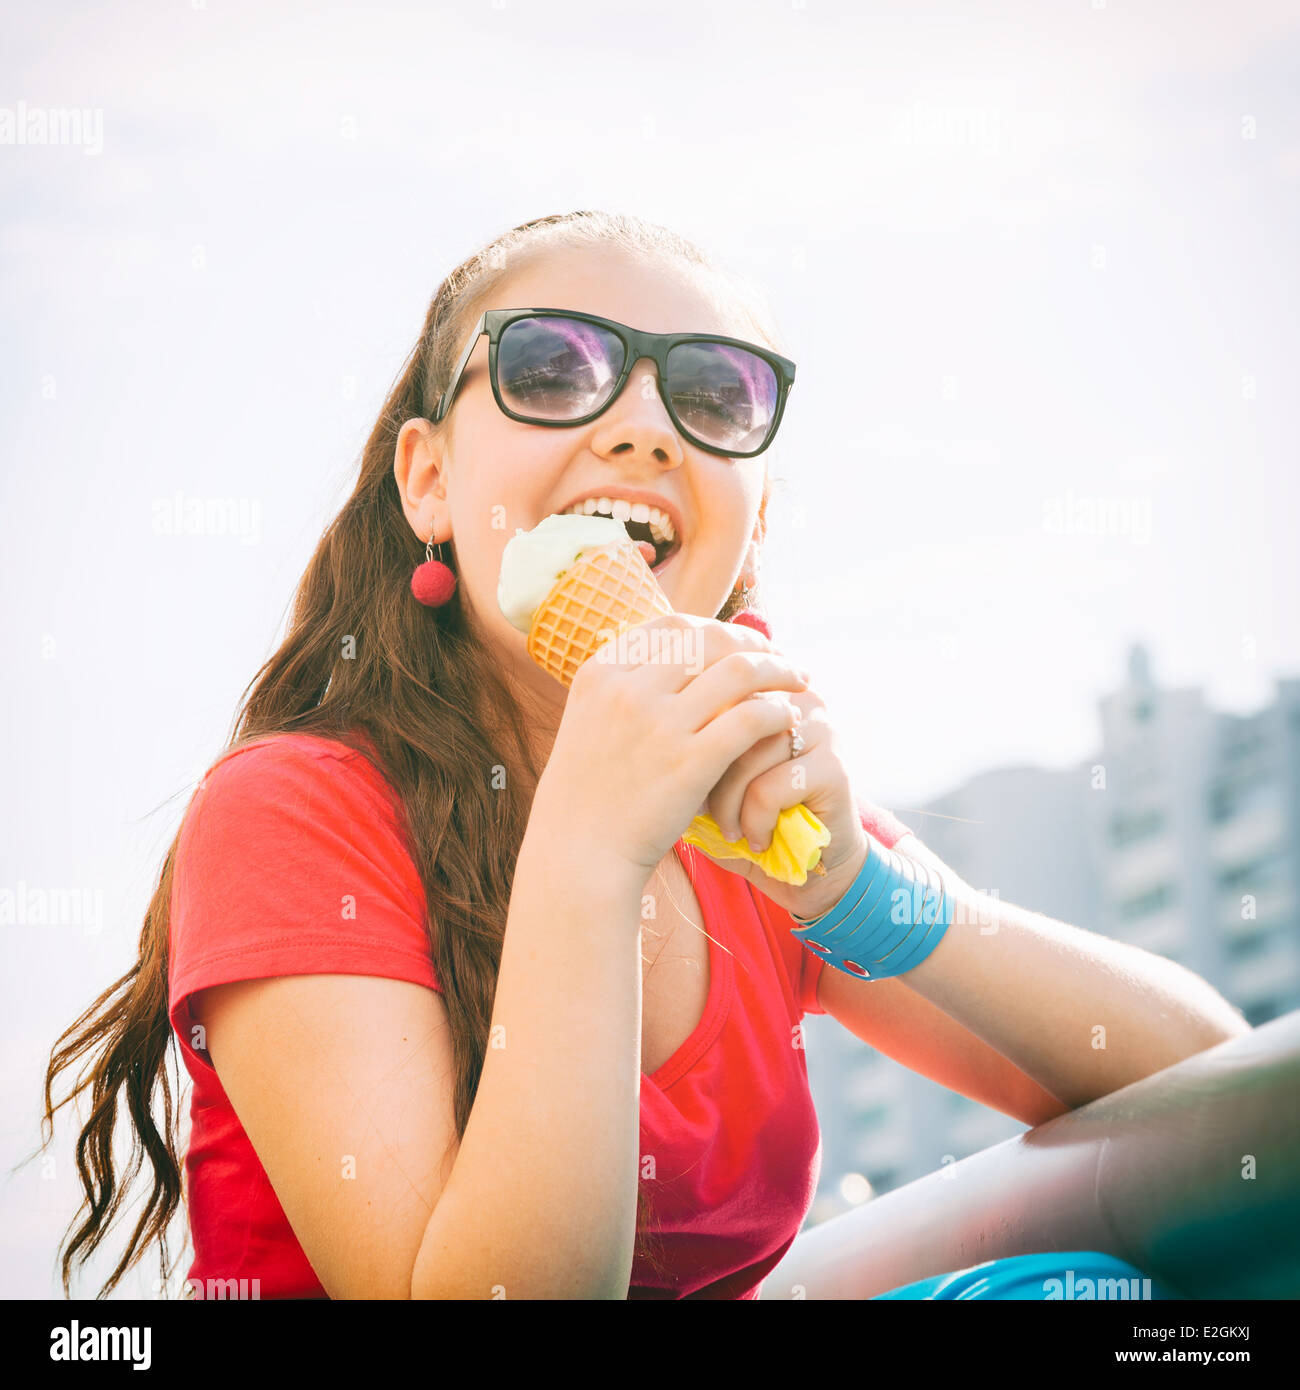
{"points": [[555, 840], [820, 895], [892, 916]]}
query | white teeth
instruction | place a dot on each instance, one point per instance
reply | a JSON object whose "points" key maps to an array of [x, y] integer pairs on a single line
{"points": [[661, 526]]}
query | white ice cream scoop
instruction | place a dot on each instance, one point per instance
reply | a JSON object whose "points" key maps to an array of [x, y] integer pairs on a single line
{"points": [[534, 560]]}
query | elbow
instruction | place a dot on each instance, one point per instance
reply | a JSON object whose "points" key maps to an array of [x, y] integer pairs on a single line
{"points": [[1217, 1021], [531, 1250], [1200, 1016], [1225, 1029], [559, 1286], [1207, 1030], [555, 1275]]}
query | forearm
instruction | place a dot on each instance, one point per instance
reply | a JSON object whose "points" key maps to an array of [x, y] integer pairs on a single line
{"points": [[541, 1202], [1080, 1013]]}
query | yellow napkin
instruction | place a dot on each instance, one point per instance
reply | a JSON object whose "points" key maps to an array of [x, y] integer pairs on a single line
{"points": [[797, 844]]}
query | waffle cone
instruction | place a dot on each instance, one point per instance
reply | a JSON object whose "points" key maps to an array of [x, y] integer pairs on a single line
{"points": [[607, 590]]}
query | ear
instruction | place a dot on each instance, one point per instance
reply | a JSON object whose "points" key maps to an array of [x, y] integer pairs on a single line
{"points": [[418, 467]]}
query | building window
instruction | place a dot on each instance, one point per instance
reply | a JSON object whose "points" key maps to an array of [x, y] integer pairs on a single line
{"points": [[1139, 825], [1245, 947], [1242, 747], [1142, 711], [1231, 798], [1257, 873], [1153, 900]]}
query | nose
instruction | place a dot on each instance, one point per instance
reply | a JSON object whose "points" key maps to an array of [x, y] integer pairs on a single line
{"points": [[636, 421]]}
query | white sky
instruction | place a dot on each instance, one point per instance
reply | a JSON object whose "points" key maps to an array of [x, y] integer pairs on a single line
{"points": [[1020, 253]]}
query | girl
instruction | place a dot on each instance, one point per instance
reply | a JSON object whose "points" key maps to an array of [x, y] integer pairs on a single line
{"points": [[464, 1017]]}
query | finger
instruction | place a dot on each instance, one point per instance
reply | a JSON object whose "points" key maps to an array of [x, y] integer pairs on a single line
{"points": [[734, 732], [671, 650], [788, 784], [732, 680], [654, 647], [725, 799]]}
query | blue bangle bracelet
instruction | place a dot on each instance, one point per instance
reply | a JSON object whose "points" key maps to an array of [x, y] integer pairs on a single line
{"points": [[891, 917]]}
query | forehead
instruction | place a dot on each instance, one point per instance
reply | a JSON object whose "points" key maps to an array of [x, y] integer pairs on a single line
{"points": [[657, 294]]}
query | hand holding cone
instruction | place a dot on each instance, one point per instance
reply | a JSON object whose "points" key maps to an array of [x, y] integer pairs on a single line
{"points": [[611, 588]]}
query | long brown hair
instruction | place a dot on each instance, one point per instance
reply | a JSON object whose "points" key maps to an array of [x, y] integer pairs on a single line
{"points": [[420, 697]]}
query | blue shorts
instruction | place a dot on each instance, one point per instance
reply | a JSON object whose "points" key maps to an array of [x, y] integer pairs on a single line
{"points": [[1073, 1274]]}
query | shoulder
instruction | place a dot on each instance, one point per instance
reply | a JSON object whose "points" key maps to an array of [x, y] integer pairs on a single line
{"points": [[290, 802], [286, 756], [290, 772], [293, 847], [292, 861]]}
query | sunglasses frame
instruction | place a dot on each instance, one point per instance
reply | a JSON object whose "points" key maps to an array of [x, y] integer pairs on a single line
{"points": [[636, 345]]}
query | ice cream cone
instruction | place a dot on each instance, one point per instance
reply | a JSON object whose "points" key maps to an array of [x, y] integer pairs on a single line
{"points": [[606, 590]]}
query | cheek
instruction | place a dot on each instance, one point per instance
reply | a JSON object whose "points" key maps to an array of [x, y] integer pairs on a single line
{"points": [[722, 532], [511, 474], [493, 503]]}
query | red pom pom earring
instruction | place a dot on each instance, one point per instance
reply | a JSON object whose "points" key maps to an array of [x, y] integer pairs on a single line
{"points": [[751, 617], [433, 583]]}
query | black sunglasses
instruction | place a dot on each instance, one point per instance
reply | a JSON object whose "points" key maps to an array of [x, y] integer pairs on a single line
{"points": [[561, 368]]}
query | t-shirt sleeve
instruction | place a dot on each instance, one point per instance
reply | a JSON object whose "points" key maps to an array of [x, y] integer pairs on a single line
{"points": [[291, 861], [881, 825]]}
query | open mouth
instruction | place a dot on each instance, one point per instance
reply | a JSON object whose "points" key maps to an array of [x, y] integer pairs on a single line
{"points": [[664, 548], [643, 523]]}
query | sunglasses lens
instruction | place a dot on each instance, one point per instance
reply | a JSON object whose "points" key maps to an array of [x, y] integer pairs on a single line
{"points": [[557, 368], [724, 395]]}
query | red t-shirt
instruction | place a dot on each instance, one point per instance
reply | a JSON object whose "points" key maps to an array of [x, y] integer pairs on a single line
{"points": [[280, 834]]}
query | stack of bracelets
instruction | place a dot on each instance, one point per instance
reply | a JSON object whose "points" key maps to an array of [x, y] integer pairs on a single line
{"points": [[892, 916]]}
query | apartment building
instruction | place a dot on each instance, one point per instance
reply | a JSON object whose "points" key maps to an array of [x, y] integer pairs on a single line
{"points": [[1181, 835]]}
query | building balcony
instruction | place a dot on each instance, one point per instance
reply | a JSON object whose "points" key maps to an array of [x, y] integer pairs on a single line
{"points": [[1142, 866], [1163, 933], [1274, 903], [1261, 823]]}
